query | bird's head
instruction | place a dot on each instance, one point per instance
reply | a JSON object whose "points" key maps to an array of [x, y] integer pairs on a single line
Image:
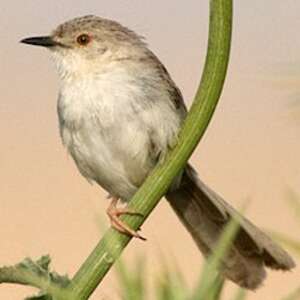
{"points": [[88, 44]]}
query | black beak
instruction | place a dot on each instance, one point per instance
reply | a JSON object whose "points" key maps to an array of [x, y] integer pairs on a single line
{"points": [[44, 41]]}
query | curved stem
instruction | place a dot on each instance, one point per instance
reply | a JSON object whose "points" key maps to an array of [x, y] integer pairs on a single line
{"points": [[112, 244]]}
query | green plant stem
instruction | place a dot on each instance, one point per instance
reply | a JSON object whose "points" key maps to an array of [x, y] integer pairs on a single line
{"points": [[113, 243]]}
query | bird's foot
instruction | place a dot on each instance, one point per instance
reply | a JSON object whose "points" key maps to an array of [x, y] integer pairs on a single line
{"points": [[114, 214]]}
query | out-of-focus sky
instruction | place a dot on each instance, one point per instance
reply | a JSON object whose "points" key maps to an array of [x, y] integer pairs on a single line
{"points": [[251, 150]]}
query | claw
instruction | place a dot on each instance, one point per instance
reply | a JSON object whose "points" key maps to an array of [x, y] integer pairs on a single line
{"points": [[114, 213]]}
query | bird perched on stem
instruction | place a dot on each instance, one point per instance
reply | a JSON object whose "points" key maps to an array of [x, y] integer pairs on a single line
{"points": [[119, 114]]}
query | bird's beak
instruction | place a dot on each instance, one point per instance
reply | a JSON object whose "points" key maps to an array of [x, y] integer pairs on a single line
{"points": [[44, 41]]}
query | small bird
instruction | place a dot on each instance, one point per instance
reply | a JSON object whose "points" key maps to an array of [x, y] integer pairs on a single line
{"points": [[119, 114]]}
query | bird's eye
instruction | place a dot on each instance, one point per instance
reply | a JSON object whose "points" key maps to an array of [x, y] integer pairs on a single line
{"points": [[83, 39]]}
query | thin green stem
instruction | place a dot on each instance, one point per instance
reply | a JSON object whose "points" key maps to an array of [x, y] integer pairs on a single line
{"points": [[144, 201]]}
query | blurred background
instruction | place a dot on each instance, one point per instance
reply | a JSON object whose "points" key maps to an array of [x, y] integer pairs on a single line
{"points": [[250, 151]]}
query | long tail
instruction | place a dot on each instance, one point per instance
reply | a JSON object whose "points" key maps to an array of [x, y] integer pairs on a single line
{"points": [[204, 214]]}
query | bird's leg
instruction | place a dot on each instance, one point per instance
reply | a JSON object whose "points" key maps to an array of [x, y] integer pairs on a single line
{"points": [[114, 213]]}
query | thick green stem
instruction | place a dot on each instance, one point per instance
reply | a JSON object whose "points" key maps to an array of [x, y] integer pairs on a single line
{"points": [[112, 244]]}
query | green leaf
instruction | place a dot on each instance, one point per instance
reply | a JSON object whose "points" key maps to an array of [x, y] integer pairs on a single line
{"points": [[208, 284], [240, 295], [287, 241], [132, 282], [40, 297], [171, 286], [37, 274], [294, 201], [293, 296]]}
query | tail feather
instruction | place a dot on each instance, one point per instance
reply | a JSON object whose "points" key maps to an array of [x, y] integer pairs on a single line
{"points": [[204, 214]]}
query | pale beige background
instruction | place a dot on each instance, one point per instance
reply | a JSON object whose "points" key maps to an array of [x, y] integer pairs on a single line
{"points": [[251, 150]]}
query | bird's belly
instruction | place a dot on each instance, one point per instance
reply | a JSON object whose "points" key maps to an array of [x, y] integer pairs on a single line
{"points": [[115, 129], [116, 158]]}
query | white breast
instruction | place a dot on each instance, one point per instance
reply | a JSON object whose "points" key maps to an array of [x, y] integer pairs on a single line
{"points": [[107, 124]]}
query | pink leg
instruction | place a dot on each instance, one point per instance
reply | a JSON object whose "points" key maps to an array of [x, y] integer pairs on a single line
{"points": [[114, 213]]}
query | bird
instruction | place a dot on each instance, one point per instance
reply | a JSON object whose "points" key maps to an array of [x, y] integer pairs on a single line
{"points": [[119, 114]]}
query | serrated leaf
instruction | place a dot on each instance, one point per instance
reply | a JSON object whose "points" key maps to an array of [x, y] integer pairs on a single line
{"points": [[37, 274]]}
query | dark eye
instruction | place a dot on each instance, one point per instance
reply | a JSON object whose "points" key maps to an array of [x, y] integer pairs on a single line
{"points": [[83, 39]]}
